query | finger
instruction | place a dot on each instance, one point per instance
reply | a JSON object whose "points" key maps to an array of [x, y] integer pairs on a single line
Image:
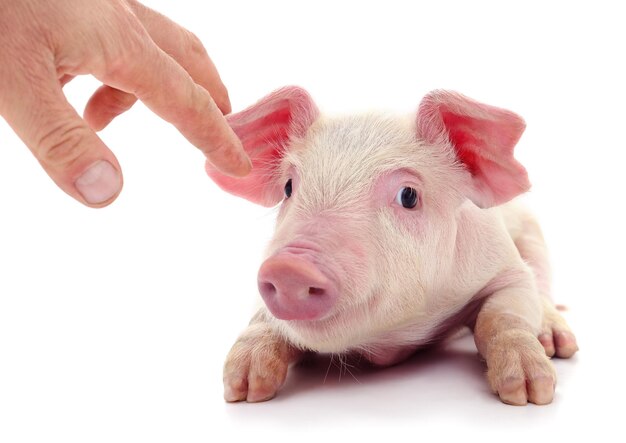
{"points": [[69, 151], [168, 90], [106, 104], [65, 79], [187, 50]]}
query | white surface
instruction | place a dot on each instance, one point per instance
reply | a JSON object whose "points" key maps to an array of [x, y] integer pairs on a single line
{"points": [[114, 323]]}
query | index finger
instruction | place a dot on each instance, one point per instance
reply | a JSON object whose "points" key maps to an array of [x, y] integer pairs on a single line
{"points": [[170, 92], [186, 49]]}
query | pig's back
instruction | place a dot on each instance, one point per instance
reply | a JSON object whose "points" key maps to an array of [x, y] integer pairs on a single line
{"points": [[517, 218]]}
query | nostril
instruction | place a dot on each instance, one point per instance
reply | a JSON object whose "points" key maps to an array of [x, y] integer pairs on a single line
{"points": [[267, 289], [316, 291]]}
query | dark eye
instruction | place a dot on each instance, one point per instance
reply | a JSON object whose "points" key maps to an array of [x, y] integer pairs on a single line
{"points": [[407, 197], [288, 189]]}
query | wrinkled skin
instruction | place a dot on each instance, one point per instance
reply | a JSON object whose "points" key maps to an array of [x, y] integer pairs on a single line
{"points": [[393, 234], [138, 54]]}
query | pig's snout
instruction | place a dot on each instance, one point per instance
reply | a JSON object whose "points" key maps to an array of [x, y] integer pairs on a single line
{"points": [[293, 288]]}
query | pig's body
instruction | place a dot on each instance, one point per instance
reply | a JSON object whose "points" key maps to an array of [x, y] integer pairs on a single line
{"points": [[432, 317], [392, 235], [429, 325]]}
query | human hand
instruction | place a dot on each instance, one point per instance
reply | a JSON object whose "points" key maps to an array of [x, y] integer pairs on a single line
{"points": [[137, 54]]}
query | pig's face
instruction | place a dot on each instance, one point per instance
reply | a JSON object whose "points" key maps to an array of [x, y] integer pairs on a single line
{"points": [[366, 227], [362, 231]]}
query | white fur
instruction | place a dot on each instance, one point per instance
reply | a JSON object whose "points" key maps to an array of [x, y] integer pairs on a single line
{"points": [[405, 277], [409, 282]]}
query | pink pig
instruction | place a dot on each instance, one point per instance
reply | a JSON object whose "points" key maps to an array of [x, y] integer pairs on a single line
{"points": [[393, 233]]}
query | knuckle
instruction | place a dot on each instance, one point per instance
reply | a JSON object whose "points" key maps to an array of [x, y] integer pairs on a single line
{"points": [[122, 56], [123, 62], [197, 111], [213, 150], [62, 145], [119, 101], [194, 45]]}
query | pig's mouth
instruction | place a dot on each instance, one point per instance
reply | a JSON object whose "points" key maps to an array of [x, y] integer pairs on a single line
{"points": [[352, 327], [337, 332]]}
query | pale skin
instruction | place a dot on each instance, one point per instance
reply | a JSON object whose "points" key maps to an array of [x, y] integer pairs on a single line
{"points": [[392, 274], [515, 337], [138, 54]]}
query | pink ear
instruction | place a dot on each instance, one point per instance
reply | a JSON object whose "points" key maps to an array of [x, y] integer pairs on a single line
{"points": [[265, 129], [483, 137]]}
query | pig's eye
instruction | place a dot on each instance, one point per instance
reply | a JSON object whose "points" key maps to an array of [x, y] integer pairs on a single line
{"points": [[288, 189], [407, 197]]}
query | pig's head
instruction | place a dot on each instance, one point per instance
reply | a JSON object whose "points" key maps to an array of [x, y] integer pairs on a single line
{"points": [[366, 231]]}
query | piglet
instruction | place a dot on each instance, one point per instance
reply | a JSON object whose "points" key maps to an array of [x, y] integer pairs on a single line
{"points": [[392, 234]]}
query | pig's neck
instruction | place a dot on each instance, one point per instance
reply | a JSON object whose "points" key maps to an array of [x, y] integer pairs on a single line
{"points": [[395, 346]]}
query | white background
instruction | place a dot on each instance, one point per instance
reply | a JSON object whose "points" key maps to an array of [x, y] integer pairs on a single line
{"points": [[114, 323]]}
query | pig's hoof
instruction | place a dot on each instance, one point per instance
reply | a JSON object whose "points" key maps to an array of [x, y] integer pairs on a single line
{"points": [[255, 368], [519, 371], [556, 336]]}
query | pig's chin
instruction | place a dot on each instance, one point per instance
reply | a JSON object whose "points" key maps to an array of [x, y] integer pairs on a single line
{"points": [[336, 332]]}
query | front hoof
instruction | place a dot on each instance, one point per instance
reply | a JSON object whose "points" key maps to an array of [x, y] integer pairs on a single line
{"points": [[256, 367], [520, 372]]}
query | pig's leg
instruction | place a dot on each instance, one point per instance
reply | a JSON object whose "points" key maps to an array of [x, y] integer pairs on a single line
{"points": [[505, 333], [555, 336], [256, 366]]}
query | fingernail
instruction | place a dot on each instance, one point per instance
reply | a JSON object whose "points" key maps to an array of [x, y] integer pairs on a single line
{"points": [[99, 183]]}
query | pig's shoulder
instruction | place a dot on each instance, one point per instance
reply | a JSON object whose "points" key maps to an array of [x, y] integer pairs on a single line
{"points": [[509, 218]]}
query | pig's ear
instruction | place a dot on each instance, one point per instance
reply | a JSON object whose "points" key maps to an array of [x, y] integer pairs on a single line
{"points": [[483, 137], [265, 129]]}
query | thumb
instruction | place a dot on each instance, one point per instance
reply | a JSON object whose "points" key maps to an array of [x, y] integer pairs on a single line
{"points": [[69, 151]]}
